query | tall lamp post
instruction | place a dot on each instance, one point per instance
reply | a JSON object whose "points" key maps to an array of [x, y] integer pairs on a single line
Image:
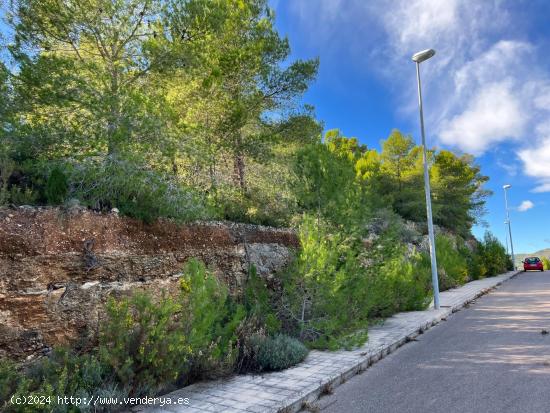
{"points": [[419, 58], [506, 187]]}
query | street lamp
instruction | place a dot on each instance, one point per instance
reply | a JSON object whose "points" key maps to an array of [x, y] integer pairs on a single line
{"points": [[505, 187], [506, 236], [419, 58]]}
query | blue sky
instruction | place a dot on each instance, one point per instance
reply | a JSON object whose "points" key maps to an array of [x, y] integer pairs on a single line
{"points": [[486, 91]]}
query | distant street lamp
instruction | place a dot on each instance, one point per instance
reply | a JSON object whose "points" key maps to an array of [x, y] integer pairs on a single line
{"points": [[419, 58], [505, 187]]}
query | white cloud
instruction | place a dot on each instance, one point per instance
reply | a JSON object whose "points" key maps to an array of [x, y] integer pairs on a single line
{"points": [[536, 161], [494, 115], [525, 205]]}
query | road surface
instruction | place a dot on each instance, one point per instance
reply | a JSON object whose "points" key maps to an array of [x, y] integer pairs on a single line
{"points": [[490, 357]]}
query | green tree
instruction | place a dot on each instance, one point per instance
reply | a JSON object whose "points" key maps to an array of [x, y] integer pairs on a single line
{"points": [[84, 83], [396, 156], [327, 180], [241, 60], [458, 192], [401, 162]]}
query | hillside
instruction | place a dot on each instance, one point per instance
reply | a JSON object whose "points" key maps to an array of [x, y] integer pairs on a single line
{"points": [[542, 253]]}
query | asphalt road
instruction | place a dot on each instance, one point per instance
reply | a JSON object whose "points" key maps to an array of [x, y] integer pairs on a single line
{"points": [[490, 357]]}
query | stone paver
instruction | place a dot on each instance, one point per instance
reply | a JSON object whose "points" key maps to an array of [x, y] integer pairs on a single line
{"points": [[290, 389]]}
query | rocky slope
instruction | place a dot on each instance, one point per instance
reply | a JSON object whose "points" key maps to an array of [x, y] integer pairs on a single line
{"points": [[58, 267]]}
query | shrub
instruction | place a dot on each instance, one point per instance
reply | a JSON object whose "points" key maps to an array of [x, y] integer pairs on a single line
{"points": [[145, 345], [143, 342], [149, 343], [476, 264], [61, 374], [546, 263], [136, 190], [258, 302], [399, 283], [451, 262], [212, 321], [10, 379], [57, 187], [13, 194], [336, 286], [494, 256], [279, 352]]}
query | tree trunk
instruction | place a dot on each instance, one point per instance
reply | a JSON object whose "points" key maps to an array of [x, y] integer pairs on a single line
{"points": [[113, 124], [239, 171], [238, 164]]}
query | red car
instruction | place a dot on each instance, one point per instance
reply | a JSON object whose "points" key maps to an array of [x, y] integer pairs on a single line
{"points": [[532, 263]]}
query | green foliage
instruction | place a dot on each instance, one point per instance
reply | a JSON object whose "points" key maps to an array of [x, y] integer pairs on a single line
{"points": [[326, 180], [191, 110], [336, 286], [458, 192], [494, 256], [136, 191], [146, 343], [57, 187], [61, 374], [213, 319], [451, 262], [488, 258], [10, 380], [258, 302], [545, 263], [402, 168], [143, 342], [279, 352]]}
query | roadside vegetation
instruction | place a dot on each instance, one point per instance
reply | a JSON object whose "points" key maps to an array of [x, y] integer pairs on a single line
{"points": [[192, 110]]}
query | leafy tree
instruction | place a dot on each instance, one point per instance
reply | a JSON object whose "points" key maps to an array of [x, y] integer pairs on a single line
{"points": [[327, 180], [396, 157], [401, 162], [458, 191], [241, 60], [85, 69]]}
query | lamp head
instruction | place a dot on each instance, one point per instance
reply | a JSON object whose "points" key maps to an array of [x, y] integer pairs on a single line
{"points": [[423, 55], [506, 186]]}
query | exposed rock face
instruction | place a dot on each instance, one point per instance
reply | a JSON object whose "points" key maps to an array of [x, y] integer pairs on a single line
{"points": [[58, 268]]}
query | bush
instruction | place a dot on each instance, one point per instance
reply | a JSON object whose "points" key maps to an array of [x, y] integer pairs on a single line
{"points": [[279, 352], [57, 187], [10, 193], [451, 262], [399, 283], [146, 344], [476, 264], [212, 321], [335, 286], [136, 190], [546, 263], [143, 343], [494, 256], [61, 374], [10, 380], [258, 303]]}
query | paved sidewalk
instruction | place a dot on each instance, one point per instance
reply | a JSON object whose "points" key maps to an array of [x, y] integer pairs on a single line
{"points": [[291, 389]]}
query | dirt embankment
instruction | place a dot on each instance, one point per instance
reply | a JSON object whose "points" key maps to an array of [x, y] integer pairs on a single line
{"points": [[58, 268]]}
